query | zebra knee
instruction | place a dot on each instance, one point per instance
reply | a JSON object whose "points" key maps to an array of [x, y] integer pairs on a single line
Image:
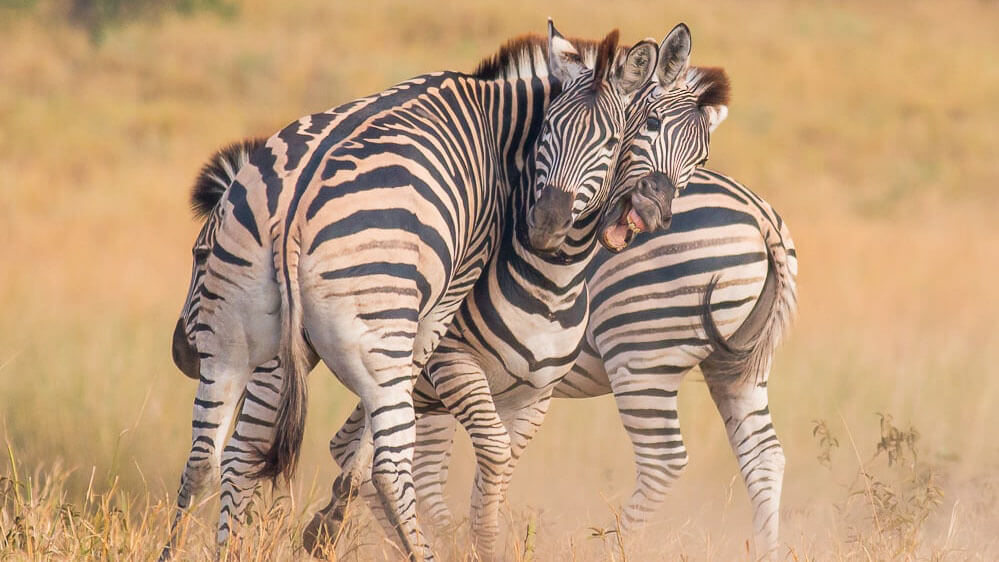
{"points": [[495, 452], [198, 472], [777, 459], [344, 442], [386, 480]]}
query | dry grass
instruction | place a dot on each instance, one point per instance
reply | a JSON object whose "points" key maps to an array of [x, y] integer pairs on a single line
{"points": [[871, 127]]}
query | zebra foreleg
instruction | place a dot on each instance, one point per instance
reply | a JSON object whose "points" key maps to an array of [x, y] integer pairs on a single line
{"points": [[434, 441], [648, 409], [464, 390], [214, 408], [745, 409], [522, 427]]}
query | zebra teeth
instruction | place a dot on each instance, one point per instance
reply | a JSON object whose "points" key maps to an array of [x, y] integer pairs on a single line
{"points": [[610, 243], [632, 226]]}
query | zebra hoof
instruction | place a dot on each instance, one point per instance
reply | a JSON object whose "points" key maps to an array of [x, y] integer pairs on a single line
{"points": [[321, 533]]}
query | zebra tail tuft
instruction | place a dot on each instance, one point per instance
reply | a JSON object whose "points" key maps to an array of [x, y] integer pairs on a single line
{"points": [[282, 457], [746, 356]]}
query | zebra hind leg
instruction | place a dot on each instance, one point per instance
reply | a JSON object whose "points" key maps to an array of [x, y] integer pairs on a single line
{"points": [[393, 427], [648, 408], [434, 436], [744, 407], [215, 406], [352, 448], [243, 452], [383, 378]]}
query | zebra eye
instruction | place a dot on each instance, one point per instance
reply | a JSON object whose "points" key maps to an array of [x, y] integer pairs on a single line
{"points": [[653, 123], [200, 253], [611, 143]]}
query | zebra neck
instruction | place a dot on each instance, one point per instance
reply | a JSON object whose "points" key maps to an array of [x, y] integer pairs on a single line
{"points": [[557, 278], [513, 111]]}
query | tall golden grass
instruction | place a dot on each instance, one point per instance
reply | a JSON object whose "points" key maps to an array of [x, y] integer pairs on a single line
{"points": [[872, 127]]}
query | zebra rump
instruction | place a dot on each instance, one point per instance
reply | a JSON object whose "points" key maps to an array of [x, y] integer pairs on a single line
{"points": [[745, 356]]}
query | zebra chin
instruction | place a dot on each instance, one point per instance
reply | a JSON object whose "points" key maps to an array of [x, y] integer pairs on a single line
{"points": [[184, 356]]}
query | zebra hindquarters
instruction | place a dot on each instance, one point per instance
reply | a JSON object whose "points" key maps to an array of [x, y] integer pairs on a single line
{"points": [[744, 407]]}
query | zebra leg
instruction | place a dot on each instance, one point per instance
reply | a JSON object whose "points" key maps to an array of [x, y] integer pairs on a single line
{"points": [[214, 408], [522, 427], [352, 448], [434, 434], [462, 386], [244, 451], [434, 441], [647, 405], [343, 448], [745, 409], [393, 426], [379, 368]]}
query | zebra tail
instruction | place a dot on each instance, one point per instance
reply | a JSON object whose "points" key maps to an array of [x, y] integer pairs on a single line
{"points": [[746, 356], [294, 354]]}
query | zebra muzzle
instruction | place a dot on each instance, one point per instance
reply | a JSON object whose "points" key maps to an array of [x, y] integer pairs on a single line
{"points": [[620, 232], [550, 219]]}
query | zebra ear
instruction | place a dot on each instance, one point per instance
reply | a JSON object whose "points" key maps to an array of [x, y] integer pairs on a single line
{"points": [[712, 89], [635, 67], [563, 59], [716, 114], [674, 56]]}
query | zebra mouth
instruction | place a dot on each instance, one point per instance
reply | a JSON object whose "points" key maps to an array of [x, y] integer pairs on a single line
{"points": [[620, 232]]}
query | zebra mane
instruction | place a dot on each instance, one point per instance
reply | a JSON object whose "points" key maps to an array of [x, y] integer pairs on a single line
{"points": [[216, 175], [527, 55], [709, 84]]}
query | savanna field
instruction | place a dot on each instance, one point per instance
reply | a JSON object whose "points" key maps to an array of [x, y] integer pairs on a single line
{"points": [[872, 128]]}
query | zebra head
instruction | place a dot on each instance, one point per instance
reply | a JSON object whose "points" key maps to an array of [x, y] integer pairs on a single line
{"points": [[211, 185], [581, 134], [667, 137]]}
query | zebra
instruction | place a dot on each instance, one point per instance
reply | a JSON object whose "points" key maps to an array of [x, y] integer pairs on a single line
{"points": [[519, 331], [420, 177], [718, 291], [572, 126]]}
